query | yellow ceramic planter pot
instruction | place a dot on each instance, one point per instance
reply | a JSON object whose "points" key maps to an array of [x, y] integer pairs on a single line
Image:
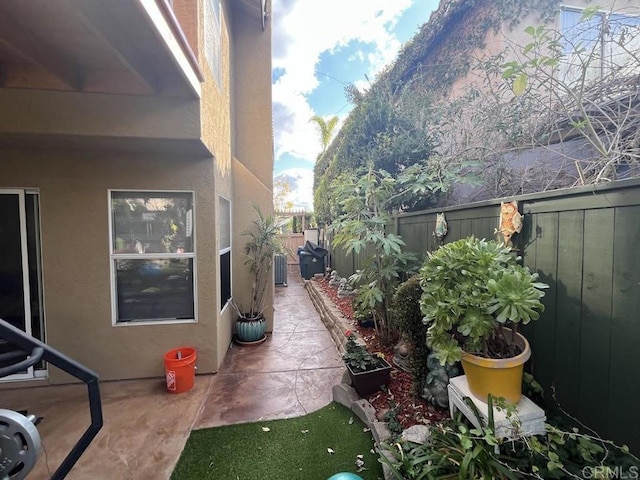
{"points": [[498, 377]]}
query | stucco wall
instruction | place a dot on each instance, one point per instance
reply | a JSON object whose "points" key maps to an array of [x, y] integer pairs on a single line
{"points": [[253, 133], [75, 252], [86, 137], [248, 189]]}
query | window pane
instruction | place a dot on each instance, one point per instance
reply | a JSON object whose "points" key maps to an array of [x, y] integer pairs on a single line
{"points": [[623, 44], [154, 289], [224, 208], [582, 46], [225, 278], [152, 222], [212, 38]]}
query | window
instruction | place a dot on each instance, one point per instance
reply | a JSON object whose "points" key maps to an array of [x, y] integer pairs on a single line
{"points": [[212, 38], [599, 45], [152, 256], [224, 212]]}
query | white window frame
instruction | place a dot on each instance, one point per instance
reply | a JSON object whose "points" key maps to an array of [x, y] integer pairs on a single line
{"points": [[225, 249], [605, 42], [124, 256]]}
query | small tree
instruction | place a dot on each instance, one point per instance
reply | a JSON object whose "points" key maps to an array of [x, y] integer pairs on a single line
{"points": [[367, 200]]}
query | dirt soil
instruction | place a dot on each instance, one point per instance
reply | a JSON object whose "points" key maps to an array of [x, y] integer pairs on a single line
{"points": [[412, 409]]}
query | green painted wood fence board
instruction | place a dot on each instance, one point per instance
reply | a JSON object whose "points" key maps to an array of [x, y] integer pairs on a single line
{"points": [[544, 352], [569, 308], [624, 376], [595, 332], [588, 343], [585, 201]]}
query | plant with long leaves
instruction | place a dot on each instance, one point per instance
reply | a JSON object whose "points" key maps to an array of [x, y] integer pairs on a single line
{"points": [[261, 245]]}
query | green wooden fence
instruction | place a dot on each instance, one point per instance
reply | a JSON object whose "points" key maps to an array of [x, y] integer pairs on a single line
{"points": [[584, 243]]}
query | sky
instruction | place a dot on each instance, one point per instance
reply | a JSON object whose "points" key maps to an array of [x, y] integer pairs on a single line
{"points": [[318, 47]]}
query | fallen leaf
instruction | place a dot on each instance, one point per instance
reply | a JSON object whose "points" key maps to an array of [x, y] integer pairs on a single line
{"points": [[351, 421], [366, 430], [330, 450], [304, 431], [266, 429]]}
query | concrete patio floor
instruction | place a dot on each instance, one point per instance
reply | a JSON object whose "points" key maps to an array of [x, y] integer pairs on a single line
{"points": [[145, 428]]}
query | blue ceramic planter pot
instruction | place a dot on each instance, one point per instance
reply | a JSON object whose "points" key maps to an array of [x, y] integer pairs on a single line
{"points": [[250, 330]]}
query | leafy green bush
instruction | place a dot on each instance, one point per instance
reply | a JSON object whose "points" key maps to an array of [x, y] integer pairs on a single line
{"points": [[456, 449], [471, 290], [407, 318]]}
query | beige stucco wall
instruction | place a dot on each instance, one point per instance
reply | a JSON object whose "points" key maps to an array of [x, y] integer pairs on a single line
{"points": [[73, 190], [248, 189], [253, 133], [181, 144]]}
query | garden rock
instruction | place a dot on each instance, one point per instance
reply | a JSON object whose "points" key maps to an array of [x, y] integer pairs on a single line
{"points": [[416, 434], [364, 411], [380, 432], [344, 394]]}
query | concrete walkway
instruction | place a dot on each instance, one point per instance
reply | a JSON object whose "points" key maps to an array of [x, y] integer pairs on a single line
{"points": [[145, 428], [289, 375]]}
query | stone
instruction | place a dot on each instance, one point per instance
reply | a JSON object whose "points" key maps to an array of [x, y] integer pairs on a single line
{"points": [[381, 414], [346, 379], [416, 434], [364, 411], [386, 470], [344, 394], [380, 432]]}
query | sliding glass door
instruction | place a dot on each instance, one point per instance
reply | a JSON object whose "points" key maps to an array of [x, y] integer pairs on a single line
{"points": [[20, 273]]}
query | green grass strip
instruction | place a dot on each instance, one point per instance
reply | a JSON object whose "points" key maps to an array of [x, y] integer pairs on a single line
{"points": [[291, 449]]}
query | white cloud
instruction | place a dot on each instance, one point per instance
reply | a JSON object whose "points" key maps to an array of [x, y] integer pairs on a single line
{"points": [[300, 181], [302, 31]]}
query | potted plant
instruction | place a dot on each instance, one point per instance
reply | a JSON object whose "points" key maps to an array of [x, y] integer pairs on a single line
{"points": [[475, 295], [368, 372], [262, 244]]}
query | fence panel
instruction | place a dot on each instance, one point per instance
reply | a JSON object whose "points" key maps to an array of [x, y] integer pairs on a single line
{"points": [[291, 242], [583, 242]]}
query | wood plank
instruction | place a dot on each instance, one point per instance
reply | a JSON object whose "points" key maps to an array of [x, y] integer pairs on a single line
{"points": [[586, 201], [624, 387], [566, 370], [466, 228], [529, 260], [595, 332], [546, 265]]}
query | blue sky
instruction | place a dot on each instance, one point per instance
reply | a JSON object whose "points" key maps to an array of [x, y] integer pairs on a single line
{"points": [[318, 47]]}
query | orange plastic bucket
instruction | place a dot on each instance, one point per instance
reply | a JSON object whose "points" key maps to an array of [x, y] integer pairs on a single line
{"points": [[180, 369]]}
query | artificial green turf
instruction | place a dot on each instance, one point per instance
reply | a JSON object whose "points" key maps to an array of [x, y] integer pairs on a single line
{"points": [[292, 449]]}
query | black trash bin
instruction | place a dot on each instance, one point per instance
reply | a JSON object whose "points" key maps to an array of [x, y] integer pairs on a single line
{"points": [[311, 259]]}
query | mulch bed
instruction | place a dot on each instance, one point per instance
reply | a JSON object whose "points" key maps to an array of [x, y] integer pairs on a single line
{"points": [[412, 409]]}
